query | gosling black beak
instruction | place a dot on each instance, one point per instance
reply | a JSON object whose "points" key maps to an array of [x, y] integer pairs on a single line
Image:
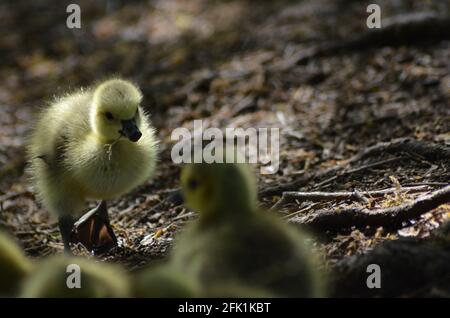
{"points": [[130, 130]]}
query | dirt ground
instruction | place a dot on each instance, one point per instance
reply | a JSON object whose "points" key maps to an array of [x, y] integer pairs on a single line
{"points": [[234, 64]]}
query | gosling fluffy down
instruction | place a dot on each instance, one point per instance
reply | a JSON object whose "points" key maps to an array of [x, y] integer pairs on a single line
{"points": [[234, 242], [14, 266], [53, 278], [161, 281], [92, 144]]}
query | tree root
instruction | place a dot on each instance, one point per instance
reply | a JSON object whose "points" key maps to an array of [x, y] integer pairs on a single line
{"points": [[392, 217], [406, 29], [408, 268]]}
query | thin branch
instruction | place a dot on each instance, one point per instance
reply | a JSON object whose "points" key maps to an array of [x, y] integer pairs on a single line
{"points": [[307, 177], [340, 195], [289, 186], [392, 217], [428, 150], [359, 169], [309, 207], [433, 184]]}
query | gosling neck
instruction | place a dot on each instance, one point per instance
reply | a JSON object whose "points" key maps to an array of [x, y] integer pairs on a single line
{"points": [[102, 140], [227, 214]]}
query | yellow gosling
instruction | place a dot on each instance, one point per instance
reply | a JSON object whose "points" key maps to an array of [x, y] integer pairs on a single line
{"points": [[162, 281], [14, 266], [92, 144], [234, 242], [54, 278]]}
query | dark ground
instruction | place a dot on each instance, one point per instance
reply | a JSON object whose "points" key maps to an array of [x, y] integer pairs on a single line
{"points": [[234, 63]]}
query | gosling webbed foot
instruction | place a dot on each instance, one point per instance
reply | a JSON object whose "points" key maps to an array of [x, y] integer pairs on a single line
{"points": [[93, 230], [66, 223]]}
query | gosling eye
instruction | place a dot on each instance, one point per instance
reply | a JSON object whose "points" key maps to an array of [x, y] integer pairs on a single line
{"points": [[109, 116], [192, 184]]}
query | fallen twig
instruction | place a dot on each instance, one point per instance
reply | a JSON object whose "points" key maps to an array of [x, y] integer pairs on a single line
{"points": [[400, 260], [307, 177], [297, 183], [432, 184], [340, 195], [391, 217], [428, 150], [184, 216], [309, 207], [359, 169]]}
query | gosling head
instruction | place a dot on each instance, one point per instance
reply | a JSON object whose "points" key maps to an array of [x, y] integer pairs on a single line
{"points": [[219, 190], [115, 111]]}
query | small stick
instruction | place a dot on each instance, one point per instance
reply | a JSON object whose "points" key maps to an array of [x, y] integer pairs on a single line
{"points": [[391, 217], [360, 197], [310, 207], [359, 169], [430, 151], [184, 216], [344, 195], [431, 184]]}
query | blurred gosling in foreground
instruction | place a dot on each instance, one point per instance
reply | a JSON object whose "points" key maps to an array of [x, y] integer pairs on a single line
{"points": [[92, 144], [234, 242], [161, 281], [166, 281], [97, 280], [14, 266]]}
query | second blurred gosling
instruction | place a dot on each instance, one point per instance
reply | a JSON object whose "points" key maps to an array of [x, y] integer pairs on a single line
{"points": [[161, 281], [233, 241]]}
